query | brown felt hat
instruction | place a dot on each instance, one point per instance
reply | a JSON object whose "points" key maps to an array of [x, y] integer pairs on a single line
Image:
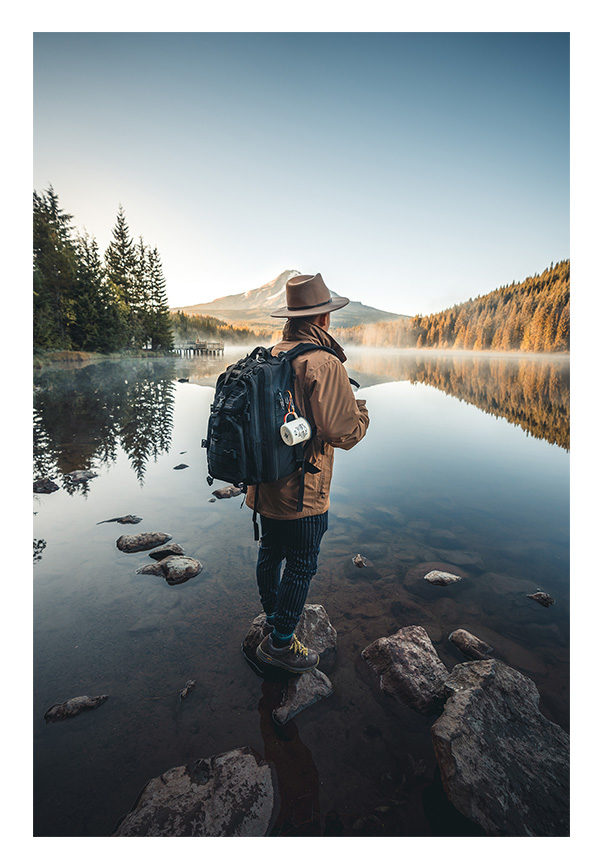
{"points": [[307, 295]]}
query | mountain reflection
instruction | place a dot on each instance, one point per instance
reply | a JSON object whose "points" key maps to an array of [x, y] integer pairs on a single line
{"points": [[82, 415], [532, 393]]}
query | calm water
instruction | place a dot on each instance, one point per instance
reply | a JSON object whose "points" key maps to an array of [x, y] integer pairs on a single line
{"points": [[464, 454]]}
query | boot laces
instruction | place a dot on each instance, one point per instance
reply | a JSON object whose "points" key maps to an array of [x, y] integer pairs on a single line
{"points": [[297, 647]]}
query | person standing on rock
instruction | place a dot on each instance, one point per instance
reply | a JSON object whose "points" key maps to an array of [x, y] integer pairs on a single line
{"points": [[323, 396]]}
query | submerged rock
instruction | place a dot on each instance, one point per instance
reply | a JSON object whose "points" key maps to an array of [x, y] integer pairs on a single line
{"points": [[438, 577], [44, 486], [229, 795], [73, 706], [166, 550], [300, 693], [359, 561], [228, 491], [180, 466], [140, 542], [80, 475], [153, 569], [470, 645], [542, 598], [122, 519], [212, 499], [462, 559], [503, 764], [409, 668], [189, 686]]}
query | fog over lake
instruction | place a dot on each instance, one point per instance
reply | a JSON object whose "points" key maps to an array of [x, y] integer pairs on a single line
{"points": [[465, 462]]}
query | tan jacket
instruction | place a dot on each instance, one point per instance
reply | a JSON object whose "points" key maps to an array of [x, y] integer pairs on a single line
{"points": [[324, 396]]}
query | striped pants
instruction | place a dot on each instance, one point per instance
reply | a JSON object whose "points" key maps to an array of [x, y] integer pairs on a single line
{"points": [[298, 541]]}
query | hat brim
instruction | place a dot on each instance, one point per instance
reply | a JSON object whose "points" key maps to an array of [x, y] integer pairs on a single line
{"points": [[334, 304]]}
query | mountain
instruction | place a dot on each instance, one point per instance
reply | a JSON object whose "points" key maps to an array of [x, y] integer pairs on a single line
{"points": [[254, 306]]}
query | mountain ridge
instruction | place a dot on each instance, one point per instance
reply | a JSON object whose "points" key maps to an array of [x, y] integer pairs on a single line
{"points": [[255, 305]]}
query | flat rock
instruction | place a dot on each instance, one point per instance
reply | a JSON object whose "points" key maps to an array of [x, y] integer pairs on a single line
{"points": [[179, 568], [73, 706], [228, 795], [409, 668], [153, 569], [416, 573], [462, 559], [44, 486], [503, 764], [470, 645], [300, 693], [166, 550], [180, 466], [81, 475], [228, 491], [140, 542], [439, 577], [122, 519], [542, 598]]}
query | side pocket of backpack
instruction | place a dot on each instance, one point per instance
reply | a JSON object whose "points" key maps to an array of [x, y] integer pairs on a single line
{"points": [[226, 450]]}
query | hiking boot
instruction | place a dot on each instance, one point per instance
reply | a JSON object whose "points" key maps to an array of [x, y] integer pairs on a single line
{"points": [[295, 657]]}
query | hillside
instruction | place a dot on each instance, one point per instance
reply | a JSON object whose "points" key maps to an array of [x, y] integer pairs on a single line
{"points": [[254, 306], [531, 316]]}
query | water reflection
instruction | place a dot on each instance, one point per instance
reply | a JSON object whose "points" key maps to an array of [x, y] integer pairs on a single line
{"points": [[82, 415], [532, 392]]}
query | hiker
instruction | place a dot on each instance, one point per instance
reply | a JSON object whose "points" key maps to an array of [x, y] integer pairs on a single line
{"points": [[324, 397]]}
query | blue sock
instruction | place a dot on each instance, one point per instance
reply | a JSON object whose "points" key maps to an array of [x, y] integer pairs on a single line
{"points": [[279, 640]]}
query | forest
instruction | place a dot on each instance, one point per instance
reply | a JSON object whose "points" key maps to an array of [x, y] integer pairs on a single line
{"points": [[85, 301], [188, 328], [531, 316]]}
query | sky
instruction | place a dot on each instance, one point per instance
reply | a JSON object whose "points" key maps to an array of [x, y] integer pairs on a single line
{"points": [[412, 170]]}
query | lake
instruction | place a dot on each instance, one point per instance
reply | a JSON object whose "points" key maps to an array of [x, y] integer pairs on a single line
{"points": [[465, 462]]}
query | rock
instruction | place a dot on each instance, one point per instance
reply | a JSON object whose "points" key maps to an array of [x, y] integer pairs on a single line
{"points": [[150, 570], [314, 630], [228, 491], [542, 598], [416, 573], [462, 559], [44, 486], [180, 466], [300, 693], [229, 795], [183, 380], [212, 499], [80, 475], [166, 550], [359, 561], [409, 668], [438, 577], [73, 706], [189, 686], [470, 645], [140, 542], [503, 764], [178, 569], [122, 519]]}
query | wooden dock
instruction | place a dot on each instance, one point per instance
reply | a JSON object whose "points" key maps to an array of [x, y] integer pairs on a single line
{"points": [[200, 348]]}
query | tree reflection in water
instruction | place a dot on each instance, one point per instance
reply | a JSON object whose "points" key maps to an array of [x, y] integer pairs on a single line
{"points": [[81, 416], [532, 392]]}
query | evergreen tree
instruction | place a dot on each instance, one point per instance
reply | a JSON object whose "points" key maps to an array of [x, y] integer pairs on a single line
{"points": [[121, 266], [160, 332]]}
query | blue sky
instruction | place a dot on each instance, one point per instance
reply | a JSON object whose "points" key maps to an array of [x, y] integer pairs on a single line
{"points": [[412, 170]]}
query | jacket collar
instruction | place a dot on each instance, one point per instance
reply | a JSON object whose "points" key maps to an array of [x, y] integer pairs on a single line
{"points": [[311, 333]]}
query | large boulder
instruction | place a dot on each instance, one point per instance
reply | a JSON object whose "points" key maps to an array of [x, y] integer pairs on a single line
{"points": [[228, 795], [409, 668], [503, 764], [140, 542]]}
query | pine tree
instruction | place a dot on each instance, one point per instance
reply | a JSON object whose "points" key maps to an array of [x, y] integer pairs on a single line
{"points": [[161, 333], [120, 262]]}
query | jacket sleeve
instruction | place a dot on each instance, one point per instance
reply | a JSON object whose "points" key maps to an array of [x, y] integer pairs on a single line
{"points": [[339, 419]]}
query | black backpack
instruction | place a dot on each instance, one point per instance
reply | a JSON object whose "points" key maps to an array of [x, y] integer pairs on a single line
{"points": [[244, 446]]}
